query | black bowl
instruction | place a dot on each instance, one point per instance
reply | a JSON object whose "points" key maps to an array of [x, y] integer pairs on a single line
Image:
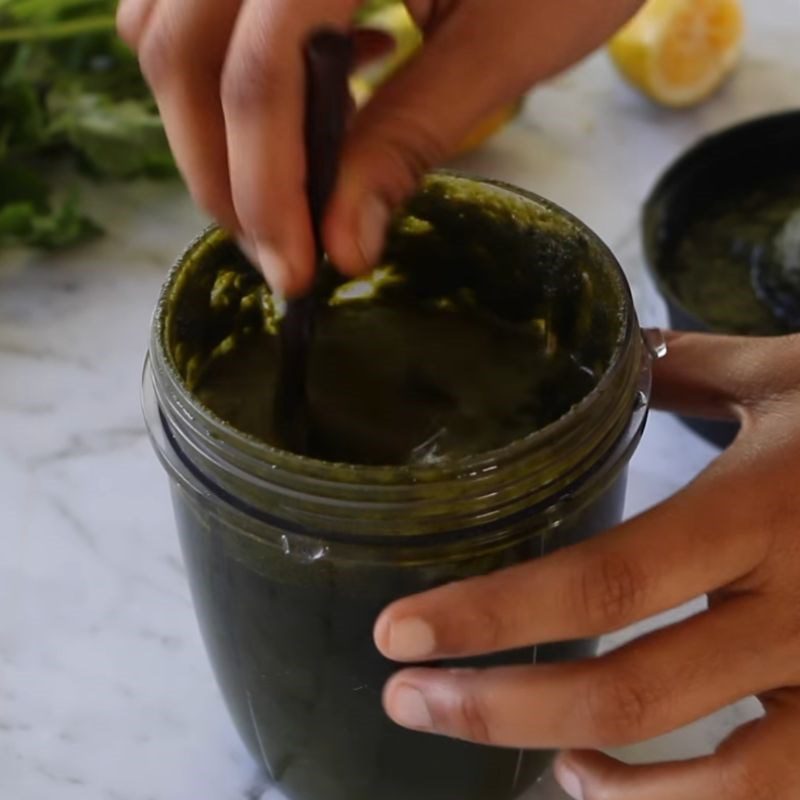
{"points": [[759, 149]]}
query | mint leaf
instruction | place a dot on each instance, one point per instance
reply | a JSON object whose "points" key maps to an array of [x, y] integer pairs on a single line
{"points": [[119, 139], [71, 94], [23, 223]]}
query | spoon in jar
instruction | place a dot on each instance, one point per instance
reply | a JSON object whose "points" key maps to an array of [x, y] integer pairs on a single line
{"points": [[776, 272], [328, 56]]}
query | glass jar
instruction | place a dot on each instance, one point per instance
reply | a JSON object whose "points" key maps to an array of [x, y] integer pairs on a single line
{"points": [[291, 559]]}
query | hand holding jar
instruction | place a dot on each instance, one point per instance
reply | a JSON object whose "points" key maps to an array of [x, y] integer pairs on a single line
{"points": [[229, 78], [733, 534]]}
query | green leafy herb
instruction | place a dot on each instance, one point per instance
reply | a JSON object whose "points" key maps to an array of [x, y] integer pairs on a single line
{"points": [[72, 99], [71, 95]]}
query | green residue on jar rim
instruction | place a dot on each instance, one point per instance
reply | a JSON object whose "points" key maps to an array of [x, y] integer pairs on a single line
{"points": [[489, 319], [710, 266]]}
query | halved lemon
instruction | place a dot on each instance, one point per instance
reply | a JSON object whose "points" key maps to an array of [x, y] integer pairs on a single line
{"points": [[395, 20], [678, 52]]}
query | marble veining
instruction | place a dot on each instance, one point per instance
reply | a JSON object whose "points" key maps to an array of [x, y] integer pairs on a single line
{"points": [[105, 692]]}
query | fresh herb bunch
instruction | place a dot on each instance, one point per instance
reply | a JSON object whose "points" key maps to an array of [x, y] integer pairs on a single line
{"points": [[71, 98]]}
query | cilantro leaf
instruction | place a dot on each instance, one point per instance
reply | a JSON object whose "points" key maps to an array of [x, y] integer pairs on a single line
{"points": [[28, 217], [24, 223], [72, 99], [119, 139]]}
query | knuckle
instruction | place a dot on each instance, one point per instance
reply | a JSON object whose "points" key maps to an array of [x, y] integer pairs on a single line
{"points": [[620, 708], [472, 719], [611, 593], [746, 781], [251, 78], [406, 147], [160, 54], [491, 623]]}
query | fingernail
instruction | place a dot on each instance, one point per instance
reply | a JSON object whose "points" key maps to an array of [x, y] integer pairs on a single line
{"points": [[410, 639], [410, 709], [273, 266], [372, 233], [569, 781]]}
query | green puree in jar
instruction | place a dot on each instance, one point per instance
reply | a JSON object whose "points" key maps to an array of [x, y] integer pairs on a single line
{"points": [[711, 267], [493, 315], [440, 354]]}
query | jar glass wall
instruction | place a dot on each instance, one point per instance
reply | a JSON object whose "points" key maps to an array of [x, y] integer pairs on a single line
{"points": [[291, 559]]}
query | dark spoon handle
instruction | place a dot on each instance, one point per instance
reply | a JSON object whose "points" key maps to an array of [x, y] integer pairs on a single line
{"points": [[328, 57]]}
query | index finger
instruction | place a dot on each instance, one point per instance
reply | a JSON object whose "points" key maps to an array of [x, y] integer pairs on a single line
{"points": [[263, 95], [653, 563], [716, 376], [648, 565]]}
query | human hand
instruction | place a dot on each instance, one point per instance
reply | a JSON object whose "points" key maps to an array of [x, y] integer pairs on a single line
{"points": [[229, 80], [733, 533]]}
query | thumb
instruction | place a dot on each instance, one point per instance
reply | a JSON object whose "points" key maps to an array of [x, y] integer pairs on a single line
{"points": [[414, 122], [477, 58]]}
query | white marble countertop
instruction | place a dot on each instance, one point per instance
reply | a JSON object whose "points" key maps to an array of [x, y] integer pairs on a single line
{"points": [[105, 691]]}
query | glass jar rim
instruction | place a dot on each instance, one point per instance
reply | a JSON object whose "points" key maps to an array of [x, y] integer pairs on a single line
{"points": [[537, 481], [258, 452]]}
